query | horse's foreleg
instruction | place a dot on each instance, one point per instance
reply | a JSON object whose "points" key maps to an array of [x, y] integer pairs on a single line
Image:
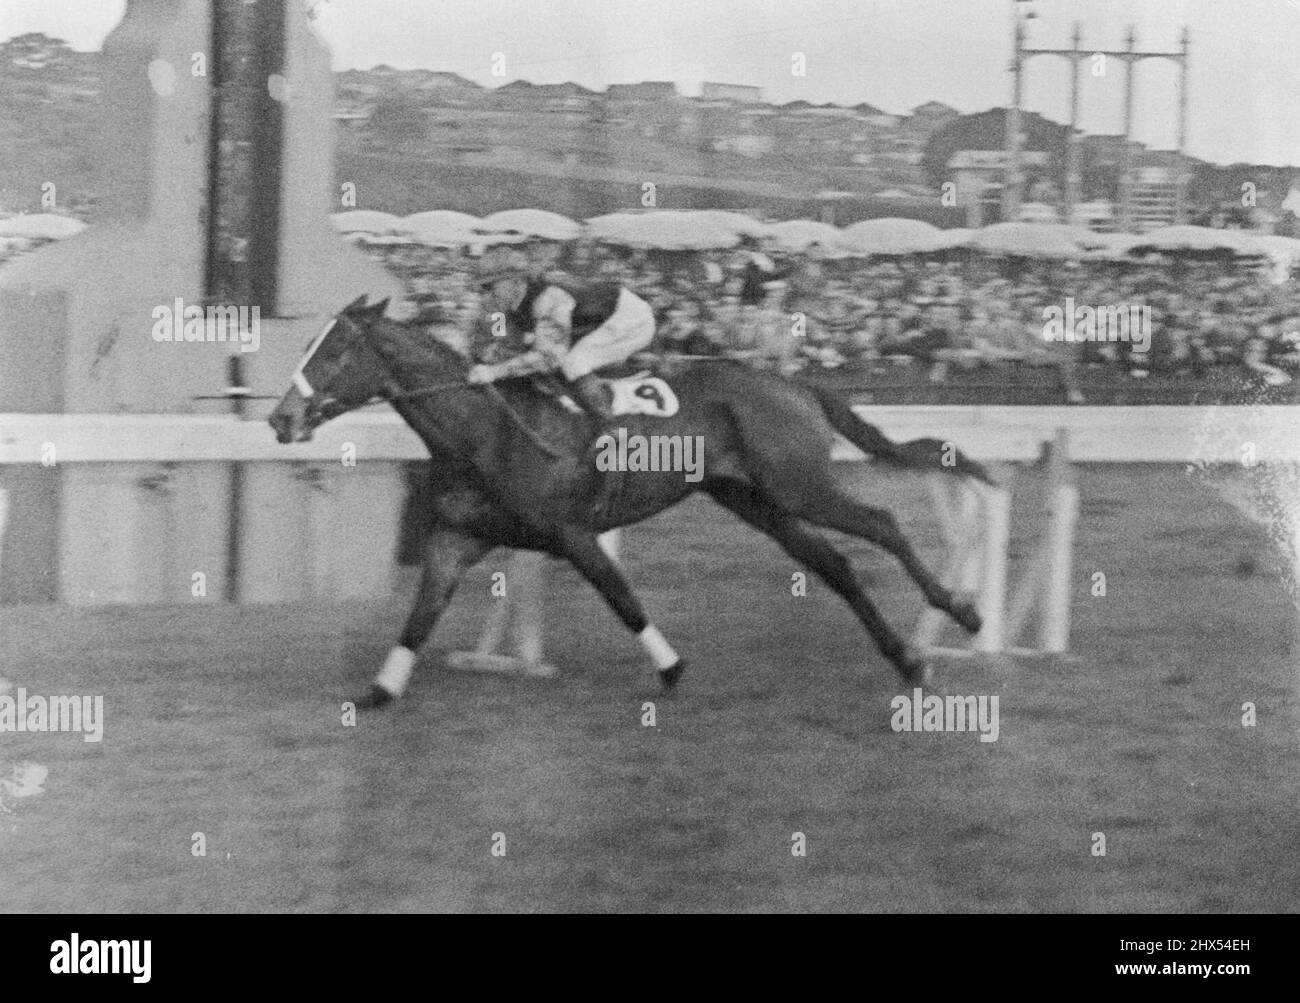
{"points": [[827, 563], [584, 552], [448, 554]]}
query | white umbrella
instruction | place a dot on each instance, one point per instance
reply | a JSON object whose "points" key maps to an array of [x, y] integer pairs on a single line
{"points": [[529, 223], [1090, 240], [1277, 246], [386, 240], [40, 226], [1283, 254], [1194, 238], [739, 223], [803, 236], [1028, 240], [946, 240], [662, 229], [1107, 246], [364, 221], [440, 227], [482, 240], [892, 236]]}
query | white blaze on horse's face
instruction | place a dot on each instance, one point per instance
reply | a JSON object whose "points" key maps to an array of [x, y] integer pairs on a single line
{"points": [[299, 379]]}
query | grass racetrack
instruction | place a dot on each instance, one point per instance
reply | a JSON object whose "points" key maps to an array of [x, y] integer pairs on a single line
{"points": [[226, 721]]}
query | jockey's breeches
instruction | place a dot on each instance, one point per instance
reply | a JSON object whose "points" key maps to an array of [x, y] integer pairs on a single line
{"points": [[630, 329]]}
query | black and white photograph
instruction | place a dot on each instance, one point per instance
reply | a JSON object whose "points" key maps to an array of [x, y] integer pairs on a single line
{"points": [[661, 457]]}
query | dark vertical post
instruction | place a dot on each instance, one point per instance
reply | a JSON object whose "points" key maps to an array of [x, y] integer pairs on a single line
{"points": [[268, 150], [1072, 177], [1011, 176], [1182, 92], [1180, 204], [1126, 156], [212, 231], [237, 393]]}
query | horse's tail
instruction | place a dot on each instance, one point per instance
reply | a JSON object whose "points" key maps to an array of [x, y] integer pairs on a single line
{"points": [[915, 454]]}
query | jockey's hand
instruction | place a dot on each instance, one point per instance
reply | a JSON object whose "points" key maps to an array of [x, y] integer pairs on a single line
{"points": [[480, 374]]}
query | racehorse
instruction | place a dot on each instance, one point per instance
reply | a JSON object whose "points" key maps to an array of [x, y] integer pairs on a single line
{"points": [[514, 468]]}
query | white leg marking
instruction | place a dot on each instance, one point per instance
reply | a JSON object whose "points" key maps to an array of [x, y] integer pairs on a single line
{"points": [[396, 671], [657, 647]]}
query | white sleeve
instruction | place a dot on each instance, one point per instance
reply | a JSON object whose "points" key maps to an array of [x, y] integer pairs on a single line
{"points": [[556, 306]]}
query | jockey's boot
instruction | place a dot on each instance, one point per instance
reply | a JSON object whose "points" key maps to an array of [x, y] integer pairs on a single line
{"points": [[593, 396]]}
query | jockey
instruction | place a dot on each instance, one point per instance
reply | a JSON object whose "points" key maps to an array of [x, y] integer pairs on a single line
{"points": [[577, 332]]}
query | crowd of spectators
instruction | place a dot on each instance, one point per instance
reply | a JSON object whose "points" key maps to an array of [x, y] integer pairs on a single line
{"points": [[946, 314]]}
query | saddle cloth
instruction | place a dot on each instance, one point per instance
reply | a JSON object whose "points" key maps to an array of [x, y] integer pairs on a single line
{"points": [[640, 393]]}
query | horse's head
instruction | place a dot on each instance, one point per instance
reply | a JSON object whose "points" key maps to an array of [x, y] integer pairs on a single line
{"points": [[339, 371]]}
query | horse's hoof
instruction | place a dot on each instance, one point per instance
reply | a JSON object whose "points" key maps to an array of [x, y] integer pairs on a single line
{"points": [[375, 698], [967, 616], [668, 677], [914, 669]]}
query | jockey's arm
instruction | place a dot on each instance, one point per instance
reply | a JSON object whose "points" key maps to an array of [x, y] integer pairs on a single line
{"points": [[550, 341]]}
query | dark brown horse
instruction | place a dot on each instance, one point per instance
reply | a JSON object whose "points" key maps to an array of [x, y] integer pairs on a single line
{"points": [[514, 468]]}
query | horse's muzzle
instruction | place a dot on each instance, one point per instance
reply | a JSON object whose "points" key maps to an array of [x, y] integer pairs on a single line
{"points": [[290, 420]]}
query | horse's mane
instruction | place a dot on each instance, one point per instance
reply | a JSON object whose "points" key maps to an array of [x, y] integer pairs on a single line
{"points": [[412, 351]]}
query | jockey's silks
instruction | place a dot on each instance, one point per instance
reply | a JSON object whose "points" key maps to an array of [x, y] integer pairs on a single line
{"points": [[593, 305]]}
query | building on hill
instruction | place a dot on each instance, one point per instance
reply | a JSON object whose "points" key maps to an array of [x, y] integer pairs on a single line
{"points": [[738, 93], [351, 114], [357, 84], [935, 113], [874, 116], [439, 80], [34, 51], [646, 92], [563, 97], [1107, 151], [1154, 191]]}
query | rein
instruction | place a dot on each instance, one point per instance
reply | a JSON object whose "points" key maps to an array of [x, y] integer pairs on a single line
{"points": [[425, 391], [496, 396]]}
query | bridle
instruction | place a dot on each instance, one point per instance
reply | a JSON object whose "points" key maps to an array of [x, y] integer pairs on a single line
{"points": [[392, 394]]}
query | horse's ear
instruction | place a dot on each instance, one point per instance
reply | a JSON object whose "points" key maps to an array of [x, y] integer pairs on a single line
{"points": [[356, 305], [377, 309]]}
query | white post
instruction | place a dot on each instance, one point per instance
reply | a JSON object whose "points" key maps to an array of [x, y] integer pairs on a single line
{"points": [[517, 618], [527, 582], [993, 590], [1054, 628], [956, 517]]}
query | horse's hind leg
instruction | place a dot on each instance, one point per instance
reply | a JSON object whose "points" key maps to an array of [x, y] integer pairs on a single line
{"points": [[584, 552], [448, 554], [827, 562], [791, 463], [835, 510]]}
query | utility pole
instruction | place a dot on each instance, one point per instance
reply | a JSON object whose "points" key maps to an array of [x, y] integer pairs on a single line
{"points": [[1073, 176], [1129, 56], [1012, 181]]}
